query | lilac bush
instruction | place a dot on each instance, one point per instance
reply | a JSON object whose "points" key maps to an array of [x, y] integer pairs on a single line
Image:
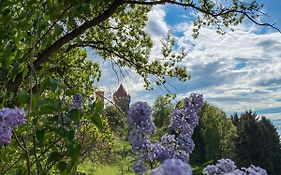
{"points": [[10, 118], [174, 148]]}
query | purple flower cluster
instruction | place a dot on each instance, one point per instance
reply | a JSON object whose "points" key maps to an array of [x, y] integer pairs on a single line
{"points": [[173, 167], [253, 170], [185, 119], [139, 118], [141, 126], [139, 167], [10, 118], [227, 167], [173, 147], [183, 122], [77, 102]]}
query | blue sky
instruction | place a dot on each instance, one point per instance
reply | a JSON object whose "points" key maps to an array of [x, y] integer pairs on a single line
{"points": [[236, 72]]}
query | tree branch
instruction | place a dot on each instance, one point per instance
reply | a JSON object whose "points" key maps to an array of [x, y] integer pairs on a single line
{"points": [[44, 55], [215, 15]]}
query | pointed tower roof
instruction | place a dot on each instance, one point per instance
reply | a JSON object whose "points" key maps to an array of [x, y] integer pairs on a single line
{"points": [[121, 92]]}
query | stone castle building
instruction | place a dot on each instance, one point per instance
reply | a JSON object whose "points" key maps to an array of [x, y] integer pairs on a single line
{"points": [[122, 99]]}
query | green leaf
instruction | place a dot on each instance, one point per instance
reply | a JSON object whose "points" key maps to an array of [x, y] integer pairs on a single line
{"points": [[96, 111], [51, 107], [54, 84], [49, 83], [97, 121], [23, 97], [98, 107], [2, 93], [44, 85], [71, 92], [74, 151], [54, 156], [74, 115], [62, 165], [40, 135], [71, 135]]}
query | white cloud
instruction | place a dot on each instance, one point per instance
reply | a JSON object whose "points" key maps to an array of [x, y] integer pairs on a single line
{"points": [[244, 67], [156, 25]]}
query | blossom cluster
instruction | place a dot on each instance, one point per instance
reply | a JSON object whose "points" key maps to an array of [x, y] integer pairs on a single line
{"points": [[227, 167], [175, 146], [10, 118], [173, 166], [77, 102], [141, 126], [183, 122]]}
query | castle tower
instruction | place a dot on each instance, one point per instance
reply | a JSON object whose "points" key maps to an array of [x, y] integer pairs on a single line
{"points": [[122, 99]]}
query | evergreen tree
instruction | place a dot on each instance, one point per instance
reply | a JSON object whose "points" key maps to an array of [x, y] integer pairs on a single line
{"points": [[258, 143]]}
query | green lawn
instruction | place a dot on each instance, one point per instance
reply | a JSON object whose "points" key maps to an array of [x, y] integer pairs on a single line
{"points": [[91, 169]]}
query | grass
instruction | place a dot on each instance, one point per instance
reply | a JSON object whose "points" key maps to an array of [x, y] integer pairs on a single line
{"points": [[90, 169]]}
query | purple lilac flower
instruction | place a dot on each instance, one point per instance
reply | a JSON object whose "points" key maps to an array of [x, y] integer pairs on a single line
{"points": [[196, 100], [227, 167], [186, 143], [139, 167], [10, 118], [78, 98], [236, 172], [154, 152], [185, 119], [223, 166], [5, 134], [138, 140], [173, 167], [77, 102], [179, 123], [253, 170], [211, 170], [170, 144], [139, 117]]}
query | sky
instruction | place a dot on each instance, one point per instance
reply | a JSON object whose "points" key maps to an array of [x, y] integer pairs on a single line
{"points": [[238, 71]]}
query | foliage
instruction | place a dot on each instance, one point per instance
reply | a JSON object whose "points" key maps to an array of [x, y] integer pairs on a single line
{"points": [[215, 135], [116, 119], [48, 143], [161, 111], [96, 144], [258, 143]]}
